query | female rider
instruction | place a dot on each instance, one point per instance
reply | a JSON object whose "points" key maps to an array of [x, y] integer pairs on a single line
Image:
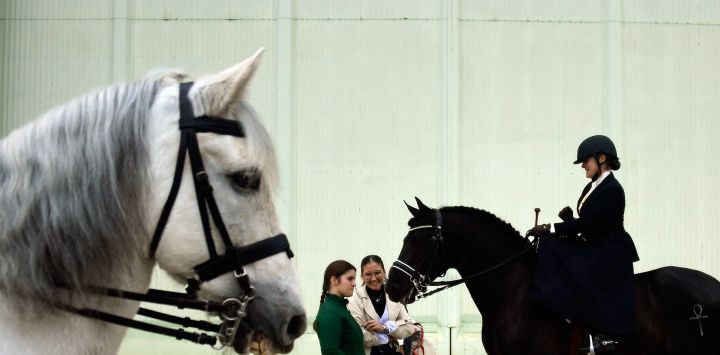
{"points": [[584, 269]]}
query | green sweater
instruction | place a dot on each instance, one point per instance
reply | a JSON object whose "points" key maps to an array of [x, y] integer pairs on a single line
{"points": [[338, 332]]}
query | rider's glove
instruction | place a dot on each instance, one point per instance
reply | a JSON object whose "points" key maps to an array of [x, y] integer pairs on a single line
{"points": [[539, 231], [566, 214]]}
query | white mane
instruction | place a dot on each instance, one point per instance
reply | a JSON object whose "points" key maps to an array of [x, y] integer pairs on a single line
{"points": [[73, 185]]}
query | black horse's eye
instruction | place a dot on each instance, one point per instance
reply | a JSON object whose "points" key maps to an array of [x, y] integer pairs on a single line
{"points": [[247, 179]]}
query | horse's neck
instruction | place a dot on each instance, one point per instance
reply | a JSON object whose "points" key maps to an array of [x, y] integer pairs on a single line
{"points": [[493, 292], [502, 290], [60, 333], [51, 331]]}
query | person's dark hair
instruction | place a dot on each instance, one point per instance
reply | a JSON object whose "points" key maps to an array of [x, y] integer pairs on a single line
{"points": [[614, 164], [371, 259], [336, 268]]}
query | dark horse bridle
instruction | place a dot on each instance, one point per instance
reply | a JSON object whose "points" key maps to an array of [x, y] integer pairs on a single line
{"points": [[232, 311], [421, 279]]}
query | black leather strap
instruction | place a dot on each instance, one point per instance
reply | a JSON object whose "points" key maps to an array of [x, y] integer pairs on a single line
{"points": [[202, 191], [217, 125], [179, 334], [165, 214], [238, 257], [186, 322], [190, 125]]}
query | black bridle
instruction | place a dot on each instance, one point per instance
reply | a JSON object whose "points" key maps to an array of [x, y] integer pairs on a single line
{"points": [[232, 311], [421, 279]]}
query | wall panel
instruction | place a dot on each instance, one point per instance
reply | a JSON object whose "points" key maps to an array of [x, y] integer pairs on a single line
{"points": [[674, 84], [370, 103], [47, 62], [353, 126], [68, 10]]}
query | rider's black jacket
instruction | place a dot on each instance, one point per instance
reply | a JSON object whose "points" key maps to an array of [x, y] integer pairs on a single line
{"points": [[589, 279]]}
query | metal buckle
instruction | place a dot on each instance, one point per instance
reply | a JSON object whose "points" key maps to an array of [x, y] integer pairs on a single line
{"points": [[244, 273], [234, 313]]}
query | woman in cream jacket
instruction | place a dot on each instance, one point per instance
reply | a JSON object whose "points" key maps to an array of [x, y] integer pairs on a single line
{"points": [[383, 322]]}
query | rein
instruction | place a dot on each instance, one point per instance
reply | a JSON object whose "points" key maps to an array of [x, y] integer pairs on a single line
{"points": [[232, 311], [421, 281]]}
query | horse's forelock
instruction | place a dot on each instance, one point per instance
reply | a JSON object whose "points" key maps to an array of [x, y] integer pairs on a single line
{"points": [[73, 190]]}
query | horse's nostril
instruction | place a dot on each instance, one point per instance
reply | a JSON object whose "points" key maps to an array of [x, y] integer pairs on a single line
{"points": [[296, 326]]}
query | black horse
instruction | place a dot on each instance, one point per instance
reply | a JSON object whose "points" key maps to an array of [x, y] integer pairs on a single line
{"points": [[678, 309]]}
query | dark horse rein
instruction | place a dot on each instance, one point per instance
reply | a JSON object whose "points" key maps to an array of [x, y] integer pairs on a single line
{"points": [[421, 280], [232, 310]]}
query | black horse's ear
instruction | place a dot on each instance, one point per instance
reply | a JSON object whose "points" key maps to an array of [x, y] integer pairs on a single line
{"points": [[422, 206], [414, 211]]}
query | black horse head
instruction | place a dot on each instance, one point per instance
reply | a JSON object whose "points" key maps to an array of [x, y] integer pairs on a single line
{"points": [[418, 263], [472, 241]]}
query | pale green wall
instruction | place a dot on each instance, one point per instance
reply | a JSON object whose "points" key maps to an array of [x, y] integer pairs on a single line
{"points": [[466, 102]]}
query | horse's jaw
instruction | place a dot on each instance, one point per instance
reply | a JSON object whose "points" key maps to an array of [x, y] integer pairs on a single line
{"points": [[396, 294], [257, 342], [264, 334], [409, 298], [261, 345], [275, 316]]}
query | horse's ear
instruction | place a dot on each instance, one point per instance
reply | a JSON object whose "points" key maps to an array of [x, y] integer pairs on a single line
{"points": [[422, 206], [414, 211], [227, 87]]}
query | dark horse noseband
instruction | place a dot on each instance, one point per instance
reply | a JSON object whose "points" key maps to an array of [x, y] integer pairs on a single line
{"points": [[421, 280], [231, 311]]}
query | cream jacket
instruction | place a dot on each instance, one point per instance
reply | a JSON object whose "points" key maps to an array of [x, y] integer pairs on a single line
{"points": [[362, 310]]}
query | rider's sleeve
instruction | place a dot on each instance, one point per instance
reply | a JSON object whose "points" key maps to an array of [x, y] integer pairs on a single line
{"points": [[405, 324], [606, 211], [355, 306]]}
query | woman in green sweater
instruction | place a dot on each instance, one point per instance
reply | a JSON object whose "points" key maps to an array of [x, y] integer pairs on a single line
{"points": [[338, 332]]}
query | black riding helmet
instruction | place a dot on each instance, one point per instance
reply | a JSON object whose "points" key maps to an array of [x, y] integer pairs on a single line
{"points": [[592, 146]]}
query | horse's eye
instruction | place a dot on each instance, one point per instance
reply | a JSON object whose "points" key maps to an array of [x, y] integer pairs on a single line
{"points": [[247, 179]]}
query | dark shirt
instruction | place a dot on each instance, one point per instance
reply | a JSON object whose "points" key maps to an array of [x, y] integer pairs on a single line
{"points": [[338, 332], [377, 298]]}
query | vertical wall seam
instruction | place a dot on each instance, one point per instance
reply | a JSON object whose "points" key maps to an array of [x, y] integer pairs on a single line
{"points": [[284, 109], [612, 72], [120, 51], [448, 176]]}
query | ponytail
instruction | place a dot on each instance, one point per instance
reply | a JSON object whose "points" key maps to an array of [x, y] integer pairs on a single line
{"points": [[322, 299], [336, 268], [322, 295]]}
